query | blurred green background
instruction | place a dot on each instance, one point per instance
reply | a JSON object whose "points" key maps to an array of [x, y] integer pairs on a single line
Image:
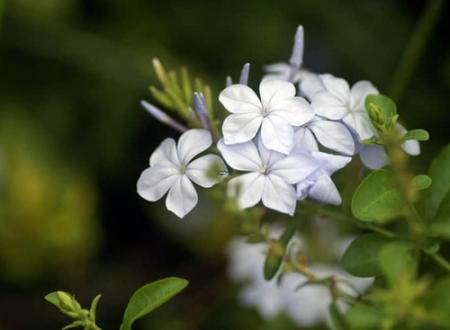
{"points": [[73, 138]]}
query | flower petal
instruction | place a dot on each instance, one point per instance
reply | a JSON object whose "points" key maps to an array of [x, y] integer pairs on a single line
{"points": [[193, 142], [324, 190], [277, 134], [155, 181], [331, 163], [166, 151], [333, 135], [294, 168], [359, 92], [182, 197], [338, 87], [411, 147], [274, 91], [296, 111], [239, 128], [304, 140], [247, 189], [200, 170], [279, 195], [360, 122], [373, 156], [241, 157], [329, 106], [240, 99], [310, 84]]}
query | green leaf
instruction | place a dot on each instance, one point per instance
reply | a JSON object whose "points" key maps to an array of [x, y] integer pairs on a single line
{"points": [[93, 309], [337, 319], [382, 111], [361, 257], [421, 182], [53, 298], [441, 223], [440, 174], [149, 297], [437, 300], [273, 260], [397, 259], [363, 317], [416, 134], [376, 199]]}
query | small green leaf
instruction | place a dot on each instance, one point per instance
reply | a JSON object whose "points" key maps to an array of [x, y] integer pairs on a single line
{"points": [[53, 298], [416, 134], [337, 319], [421, 182], [149, 297], [376, 199], [437, 300], [273, 260], [396, 259], [364, 317], [93, 309], [361, 257]]}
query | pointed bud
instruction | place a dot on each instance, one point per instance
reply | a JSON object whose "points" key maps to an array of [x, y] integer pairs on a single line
{"points": [[297, 51], [243, 79], [200, 109], [163, 117], [228, 81]]}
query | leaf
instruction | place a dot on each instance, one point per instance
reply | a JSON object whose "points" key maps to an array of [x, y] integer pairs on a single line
{"points": [[337, 319], [53, 298], [362, 317], [273, 260], [440, 174], [437, 300], [93, 309], [421, 182], [149, 297], [361, 257], [382, 111], [376, 199], [441, 223], [396, 260], [416, 134]]}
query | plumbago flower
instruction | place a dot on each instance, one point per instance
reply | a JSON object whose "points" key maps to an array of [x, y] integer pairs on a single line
{"points": [[172, 169], [275, 113], [271, 175]]}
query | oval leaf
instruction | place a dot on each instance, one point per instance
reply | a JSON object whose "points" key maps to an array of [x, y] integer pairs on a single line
{"points": [[396, 260], [377, 199], [149, 297], [361, 257], [417, 134], [421, 182]]}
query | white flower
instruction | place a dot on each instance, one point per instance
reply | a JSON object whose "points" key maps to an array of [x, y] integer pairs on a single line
{"points": [[319, 185], [374, 156], [307, 306], [336, 101], [271, 175], [172, 170], [277, 111]]}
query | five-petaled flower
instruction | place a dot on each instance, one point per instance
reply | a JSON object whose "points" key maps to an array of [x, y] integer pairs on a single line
{"points": [[276, 113], [271, 175], [172, 170]]}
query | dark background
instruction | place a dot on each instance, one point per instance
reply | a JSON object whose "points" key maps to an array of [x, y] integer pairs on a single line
{"points": [[73, 138]]}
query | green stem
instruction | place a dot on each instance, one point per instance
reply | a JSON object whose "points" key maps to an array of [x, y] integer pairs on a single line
{"points": [[440, 261], [414, 49]]}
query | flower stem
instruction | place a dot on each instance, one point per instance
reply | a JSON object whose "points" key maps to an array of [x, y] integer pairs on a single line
{"points": [[414, 49], [440, 261]]}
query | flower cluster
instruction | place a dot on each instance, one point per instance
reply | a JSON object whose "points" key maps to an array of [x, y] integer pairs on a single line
{"points": [[304, 304], [287, 140]]}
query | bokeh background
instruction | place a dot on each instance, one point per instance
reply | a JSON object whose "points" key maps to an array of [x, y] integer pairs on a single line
{"points": [[73, 138]]}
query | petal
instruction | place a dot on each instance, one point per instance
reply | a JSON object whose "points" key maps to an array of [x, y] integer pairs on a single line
{"points": [[182, 197], [324, 190], [310, 84], [193, 142], [280, 68], [331, 163], [411, 147], [155, 181], [304, 140], [279, 195], [373, 156], [241, 157], [359, 121], [200, 170], [274, 91], [359, 92], [240, 99], [294, 168], [296, 111], [329, 106], [247, 189], [338, 87], [238, 128], [333, 135], [277, 134], [166, 151], [268, 157]]}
